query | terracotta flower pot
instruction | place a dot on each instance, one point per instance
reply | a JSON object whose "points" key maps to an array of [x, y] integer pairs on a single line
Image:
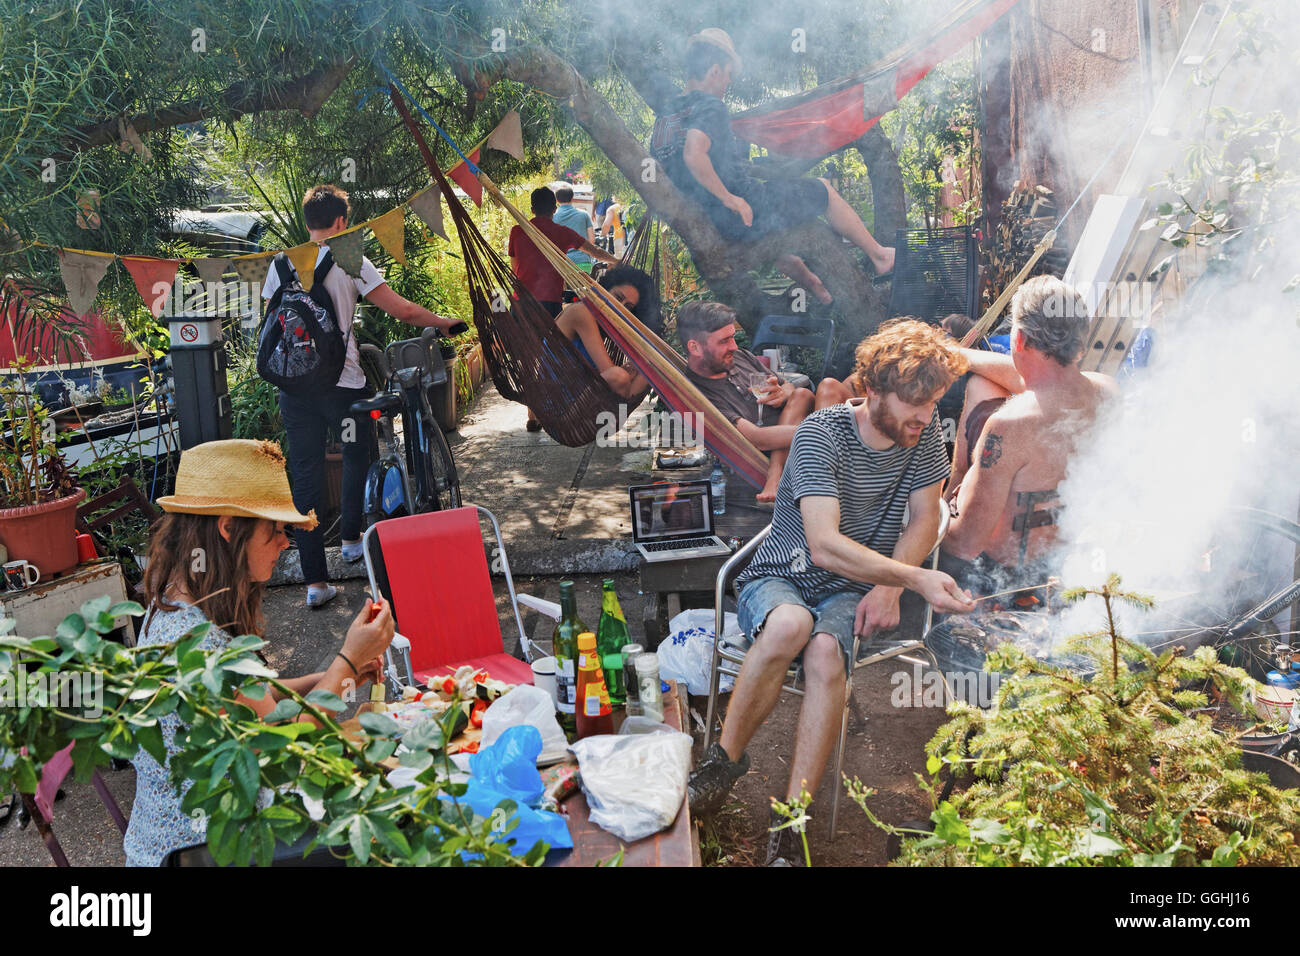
{"points": [[44, 534]]}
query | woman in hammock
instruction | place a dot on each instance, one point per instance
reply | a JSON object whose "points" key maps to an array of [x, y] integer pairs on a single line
{"points": [[631, 287]]}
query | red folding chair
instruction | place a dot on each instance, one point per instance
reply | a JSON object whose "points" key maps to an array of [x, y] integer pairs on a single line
{"points": [[40, 805], [433, 570]]}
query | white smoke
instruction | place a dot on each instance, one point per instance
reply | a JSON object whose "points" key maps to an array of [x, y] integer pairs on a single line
{"points": [[1156, 490]]}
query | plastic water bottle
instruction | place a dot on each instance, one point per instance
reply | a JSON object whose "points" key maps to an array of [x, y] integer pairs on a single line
{"points": [[718, 490]]}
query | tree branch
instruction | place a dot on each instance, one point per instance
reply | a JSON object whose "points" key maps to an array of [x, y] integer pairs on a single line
{"points": [[306, 93]]}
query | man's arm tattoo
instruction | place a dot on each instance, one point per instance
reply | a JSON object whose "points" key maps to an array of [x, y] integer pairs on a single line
{"points": [[992, 451]]}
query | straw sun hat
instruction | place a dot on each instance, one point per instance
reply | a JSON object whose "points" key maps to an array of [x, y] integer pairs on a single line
{"points": [[721, 39], [235, 477]]}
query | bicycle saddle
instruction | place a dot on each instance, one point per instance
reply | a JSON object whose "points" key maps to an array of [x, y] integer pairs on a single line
{"points": [[381, 402]]}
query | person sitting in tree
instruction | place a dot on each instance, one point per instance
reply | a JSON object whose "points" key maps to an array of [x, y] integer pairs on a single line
{"points": [[693, 140]]}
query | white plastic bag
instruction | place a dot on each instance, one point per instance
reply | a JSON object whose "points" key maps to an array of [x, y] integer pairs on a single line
{"points": [[526, 704], [687, 654], [635, 783]]}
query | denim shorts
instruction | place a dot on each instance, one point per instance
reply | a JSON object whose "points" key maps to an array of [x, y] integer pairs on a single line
{"points": [[832, 615]]}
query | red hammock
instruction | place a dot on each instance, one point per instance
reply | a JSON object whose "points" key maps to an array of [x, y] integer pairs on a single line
{"points": [[817, 123]]}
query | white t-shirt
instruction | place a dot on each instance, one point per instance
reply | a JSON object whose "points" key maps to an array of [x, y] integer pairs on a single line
{"points": [[345, 291]]}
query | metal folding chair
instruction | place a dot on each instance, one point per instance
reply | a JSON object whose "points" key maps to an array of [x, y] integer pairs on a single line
{"points": [[876, 649], [433, 570]]}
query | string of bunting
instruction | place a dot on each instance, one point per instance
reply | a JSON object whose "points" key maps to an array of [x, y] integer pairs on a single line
{"points": [[83, 270]]}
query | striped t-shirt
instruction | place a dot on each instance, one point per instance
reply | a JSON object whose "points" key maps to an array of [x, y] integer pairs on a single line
{"points": [[830, 459]]}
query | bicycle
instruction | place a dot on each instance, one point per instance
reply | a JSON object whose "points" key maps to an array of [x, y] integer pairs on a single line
{"points": [[415, 473]]}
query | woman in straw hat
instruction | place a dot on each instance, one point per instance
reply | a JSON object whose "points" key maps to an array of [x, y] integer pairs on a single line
{"points": [[210, 557]]}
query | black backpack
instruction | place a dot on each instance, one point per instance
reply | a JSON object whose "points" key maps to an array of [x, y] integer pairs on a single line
{"points": [[301, 348]]}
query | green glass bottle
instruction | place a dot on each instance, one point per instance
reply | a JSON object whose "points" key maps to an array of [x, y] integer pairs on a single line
{"points": [[565, 647], [611, 637]]}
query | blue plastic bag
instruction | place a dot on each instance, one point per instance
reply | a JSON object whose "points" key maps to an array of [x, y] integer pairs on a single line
{"points": [[507, 770]]}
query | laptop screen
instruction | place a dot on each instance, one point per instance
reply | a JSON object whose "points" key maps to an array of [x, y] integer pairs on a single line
{"points": [[679, 510]]}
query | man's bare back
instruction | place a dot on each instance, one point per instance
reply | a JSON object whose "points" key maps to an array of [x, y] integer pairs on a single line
{"points": [[1007, 500]]}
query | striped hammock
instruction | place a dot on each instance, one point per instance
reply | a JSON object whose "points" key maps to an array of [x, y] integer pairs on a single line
{"points": [[532, 362]]}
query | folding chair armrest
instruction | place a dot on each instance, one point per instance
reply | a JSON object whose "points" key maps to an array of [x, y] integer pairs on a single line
{"points": [[540, 605], [728, 572]]}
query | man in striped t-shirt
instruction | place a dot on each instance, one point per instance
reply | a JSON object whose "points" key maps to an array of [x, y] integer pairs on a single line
{"points": [[838, 558]]}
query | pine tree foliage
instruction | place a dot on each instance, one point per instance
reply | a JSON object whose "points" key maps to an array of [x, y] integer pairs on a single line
{"points": [[1112, 768]]}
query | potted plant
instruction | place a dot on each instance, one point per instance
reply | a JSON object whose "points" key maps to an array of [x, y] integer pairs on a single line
{"points": [[38, 491]]}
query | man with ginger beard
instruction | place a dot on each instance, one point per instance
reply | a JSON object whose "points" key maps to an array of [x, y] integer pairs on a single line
{"points": [[1024, 415], [838, 557]]}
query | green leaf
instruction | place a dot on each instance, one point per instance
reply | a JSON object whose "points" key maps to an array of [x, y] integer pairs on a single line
{"points": [[221, 765], [151, 739], [80, 731], [359, 834], [988, 831], [250, 666], [380, 749], [325, 700], [416, 759], [269, 740], [125, 608], [245, 770], [389, 835], [932, 765], [265, 852], [119, 744], [71, 627], [25, 775], [380, 724], [284, 710], [1090, 843], [948, 825]]}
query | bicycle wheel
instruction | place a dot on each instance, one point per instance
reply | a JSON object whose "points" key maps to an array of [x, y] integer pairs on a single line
{"points": [[443, 479]]}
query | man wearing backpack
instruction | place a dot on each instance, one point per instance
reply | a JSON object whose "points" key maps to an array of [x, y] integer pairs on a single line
{"points": [[308, 413]]}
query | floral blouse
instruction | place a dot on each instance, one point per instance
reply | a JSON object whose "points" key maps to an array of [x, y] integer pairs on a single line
{"points": [[158, 825]]}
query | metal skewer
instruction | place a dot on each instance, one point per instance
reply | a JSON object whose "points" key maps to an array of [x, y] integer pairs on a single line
{"points": [[1033, 587]]}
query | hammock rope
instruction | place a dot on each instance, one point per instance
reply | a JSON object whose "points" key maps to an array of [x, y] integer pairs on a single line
{"points": [[532, 362]]}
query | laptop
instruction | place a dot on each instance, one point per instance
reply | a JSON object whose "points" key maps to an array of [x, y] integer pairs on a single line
{"points": [[674, 521]]}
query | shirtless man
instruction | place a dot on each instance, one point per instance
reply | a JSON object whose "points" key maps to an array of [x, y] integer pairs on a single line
{"points": [[1006, 501]]}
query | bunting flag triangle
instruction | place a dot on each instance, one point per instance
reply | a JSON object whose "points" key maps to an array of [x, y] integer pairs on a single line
{"points": [[508, 136], [462, 177], [304, 263], [153, 279], [390, 230], [211, 270], [252, 268], [427, 204], [81, 277], [346, 250]]}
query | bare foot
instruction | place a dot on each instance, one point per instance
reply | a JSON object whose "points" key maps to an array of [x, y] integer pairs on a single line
{"points": [[819, 291], [798, 270]]}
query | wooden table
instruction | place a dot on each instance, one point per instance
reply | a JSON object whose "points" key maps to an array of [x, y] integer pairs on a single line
{"points": [[675, 846]]}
